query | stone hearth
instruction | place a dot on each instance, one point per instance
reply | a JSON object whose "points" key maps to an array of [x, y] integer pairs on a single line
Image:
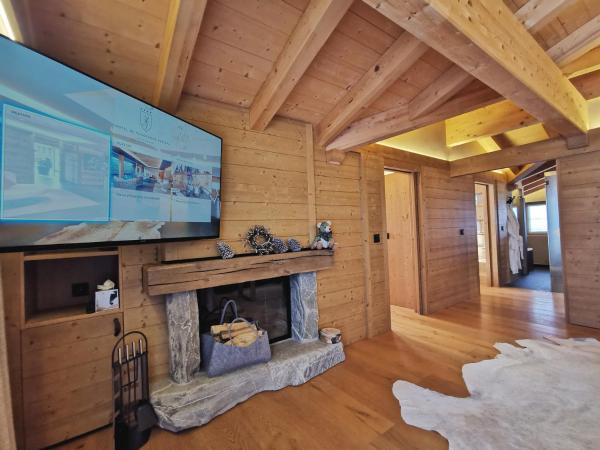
{"points": [[182, 406], [189, 398]]}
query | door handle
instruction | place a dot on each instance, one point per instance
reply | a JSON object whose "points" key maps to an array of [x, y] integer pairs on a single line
{"points": [[117, 324]]}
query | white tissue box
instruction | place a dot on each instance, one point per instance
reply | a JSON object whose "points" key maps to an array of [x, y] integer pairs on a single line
{"points": [[107, 300]]}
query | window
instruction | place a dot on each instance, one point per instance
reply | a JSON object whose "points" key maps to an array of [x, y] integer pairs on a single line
{"points": [[537, 221]]}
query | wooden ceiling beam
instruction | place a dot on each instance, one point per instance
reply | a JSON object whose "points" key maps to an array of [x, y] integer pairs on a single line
{"points": [[532, 14], [439, 92], [537, 187], [398, 120], [535, 14], [589, 62], [577, 44], [485, 122], [523, 154], [528, 170], [315, 26], [9, 25], [181, 33], [397, 59], [487, 40], [502, 140]]}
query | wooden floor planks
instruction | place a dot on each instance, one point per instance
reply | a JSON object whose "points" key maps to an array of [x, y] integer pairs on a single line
{"points": [[352, 406]]}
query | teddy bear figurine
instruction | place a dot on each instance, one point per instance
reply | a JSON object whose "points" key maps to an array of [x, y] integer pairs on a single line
{"points": [[324, 237]]}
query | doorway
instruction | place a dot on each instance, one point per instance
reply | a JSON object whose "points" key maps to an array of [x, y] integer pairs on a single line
{"points": [[402, 242], [483, 234]]}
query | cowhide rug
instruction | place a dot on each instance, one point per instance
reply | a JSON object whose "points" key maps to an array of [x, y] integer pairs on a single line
{"points": [[543, 396]]}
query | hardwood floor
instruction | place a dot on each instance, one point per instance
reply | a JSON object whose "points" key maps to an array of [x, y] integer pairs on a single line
{"points": [[351, 405]]}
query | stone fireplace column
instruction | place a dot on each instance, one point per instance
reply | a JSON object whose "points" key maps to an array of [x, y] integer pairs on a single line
{"points": [[184, 336], [305, 312]]}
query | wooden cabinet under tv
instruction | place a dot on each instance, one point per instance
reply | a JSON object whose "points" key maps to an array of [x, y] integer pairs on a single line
{"points": [[61, 378]]}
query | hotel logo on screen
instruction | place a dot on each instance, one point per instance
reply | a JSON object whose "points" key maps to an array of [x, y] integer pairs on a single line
{"points": [[145, 118]]}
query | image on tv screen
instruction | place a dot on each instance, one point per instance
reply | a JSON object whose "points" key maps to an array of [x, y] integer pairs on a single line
{"points": [[83, 163]]}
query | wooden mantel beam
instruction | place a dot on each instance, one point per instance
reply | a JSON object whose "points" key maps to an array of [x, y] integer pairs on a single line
{"points": [[473, 34], [315, 26], [397, 59], [181, 33], [524, 154]]}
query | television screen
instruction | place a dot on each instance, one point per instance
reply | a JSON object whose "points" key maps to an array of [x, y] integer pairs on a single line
{"points": [[84, 164]]}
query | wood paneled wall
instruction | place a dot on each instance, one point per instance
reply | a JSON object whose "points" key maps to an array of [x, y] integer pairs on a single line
{"points": [[274, 178], [374, 223], [578, 200], [449, 270], [341, 289]]}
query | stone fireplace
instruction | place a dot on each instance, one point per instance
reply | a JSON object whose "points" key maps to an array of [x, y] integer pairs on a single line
{"points": [[189, 398], [266, 302]]}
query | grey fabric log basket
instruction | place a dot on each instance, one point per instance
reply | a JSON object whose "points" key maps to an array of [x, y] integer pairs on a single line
{"points": [[219, 359]]}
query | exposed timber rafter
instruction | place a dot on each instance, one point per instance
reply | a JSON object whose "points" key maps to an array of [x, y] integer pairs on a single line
{"points": [[9, 25], [485, 122], [315, 26], [396, 60], [577, 43], [537, 13], [473, 35], [531, 169], [398, 120], [533, 15], [523, 154], [439, 92], [181, 32]]}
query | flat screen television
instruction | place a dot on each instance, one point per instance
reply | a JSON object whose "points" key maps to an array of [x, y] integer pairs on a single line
{"points": [[84, 164]]}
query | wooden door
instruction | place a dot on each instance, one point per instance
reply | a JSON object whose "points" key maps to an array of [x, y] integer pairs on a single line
{"points": [[483, 235], [403, 260], [67, 388]]}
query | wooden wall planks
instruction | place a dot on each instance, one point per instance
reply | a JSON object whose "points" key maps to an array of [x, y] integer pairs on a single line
{"points": [[578, 194], [449, 268], [341, 289]]}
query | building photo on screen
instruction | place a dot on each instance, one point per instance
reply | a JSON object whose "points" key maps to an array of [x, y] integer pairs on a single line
{"points": [[83, 163]]}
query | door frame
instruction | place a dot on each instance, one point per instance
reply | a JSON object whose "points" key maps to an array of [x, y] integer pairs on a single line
{"points": [[489, 244], [419, 307]]}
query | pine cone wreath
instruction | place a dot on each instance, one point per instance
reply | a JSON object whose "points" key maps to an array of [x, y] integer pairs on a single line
{"points": [[260, 239], [279, 246], [225, 250], [294, 245]]}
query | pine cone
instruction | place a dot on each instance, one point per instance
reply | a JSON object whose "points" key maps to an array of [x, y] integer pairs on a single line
{"points": [[294, 245], [225, 250], [279, 246]]}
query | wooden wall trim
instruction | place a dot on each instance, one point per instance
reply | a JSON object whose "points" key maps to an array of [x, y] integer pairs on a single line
{"points": [[11, 265], [523, 154], [310, 181], [7, 428], [364, 215]]}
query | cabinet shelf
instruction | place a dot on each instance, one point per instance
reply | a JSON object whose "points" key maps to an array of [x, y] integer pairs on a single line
{"points": [[62, 315], [68, 255]]}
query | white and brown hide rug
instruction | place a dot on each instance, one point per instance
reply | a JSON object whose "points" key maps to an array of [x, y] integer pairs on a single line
{"points": [[542, 395]]}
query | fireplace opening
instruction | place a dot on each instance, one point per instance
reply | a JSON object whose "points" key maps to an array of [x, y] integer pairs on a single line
{"points": [[265, 301]]}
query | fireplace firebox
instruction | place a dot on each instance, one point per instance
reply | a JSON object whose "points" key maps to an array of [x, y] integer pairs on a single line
{"points": [[265, 301]]}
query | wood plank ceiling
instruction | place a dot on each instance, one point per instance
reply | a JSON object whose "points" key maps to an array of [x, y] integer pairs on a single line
{"points": [[347, 81]]}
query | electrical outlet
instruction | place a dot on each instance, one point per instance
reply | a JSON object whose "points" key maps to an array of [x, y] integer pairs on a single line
{"points": [[376, 238], [462, 232], [80, 289]]}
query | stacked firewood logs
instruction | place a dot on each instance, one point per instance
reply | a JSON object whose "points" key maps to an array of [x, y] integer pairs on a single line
{"points": [[239, 334]]}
